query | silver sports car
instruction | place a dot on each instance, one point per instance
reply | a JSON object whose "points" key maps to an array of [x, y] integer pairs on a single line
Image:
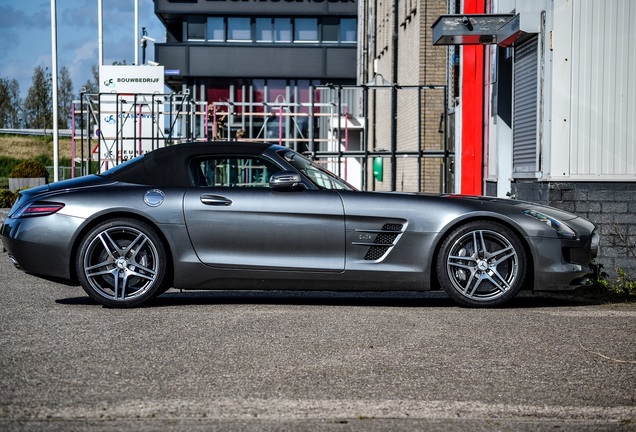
{"points": [[260, 216]]}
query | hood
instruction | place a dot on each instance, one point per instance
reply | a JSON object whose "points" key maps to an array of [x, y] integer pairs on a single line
{"points": [[521, 205]]}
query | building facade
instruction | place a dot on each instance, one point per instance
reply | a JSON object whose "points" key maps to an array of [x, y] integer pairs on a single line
{"points": [[408, 106], [259, 65]]}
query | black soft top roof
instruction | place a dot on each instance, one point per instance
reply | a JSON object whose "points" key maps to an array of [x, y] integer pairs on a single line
{"points": [[167, 166]]}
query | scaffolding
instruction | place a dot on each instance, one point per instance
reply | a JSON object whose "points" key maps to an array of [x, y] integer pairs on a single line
{"points": [[111, 128], [355, 131], [352, 129]]}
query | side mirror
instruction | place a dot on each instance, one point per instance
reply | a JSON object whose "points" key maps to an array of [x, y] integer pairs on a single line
{"points": [[285, 180]]}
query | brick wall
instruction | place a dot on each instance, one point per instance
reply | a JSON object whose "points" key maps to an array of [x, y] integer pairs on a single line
{"points": [[611, 206], [418, 114]]}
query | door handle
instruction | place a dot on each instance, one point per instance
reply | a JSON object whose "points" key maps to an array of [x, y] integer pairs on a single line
{"points": [[215, 200]]}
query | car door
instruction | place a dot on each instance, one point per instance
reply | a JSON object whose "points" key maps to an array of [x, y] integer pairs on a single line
{"points": [[235, 220]]}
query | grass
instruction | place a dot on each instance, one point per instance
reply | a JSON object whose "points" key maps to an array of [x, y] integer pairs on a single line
{"points": [[620, 289], [17, 148], [30, 147]]}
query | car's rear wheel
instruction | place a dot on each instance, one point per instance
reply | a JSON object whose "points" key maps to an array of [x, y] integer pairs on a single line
{"points": [[482, 263], [122, 263]]}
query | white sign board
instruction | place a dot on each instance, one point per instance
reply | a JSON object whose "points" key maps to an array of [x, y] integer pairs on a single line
{"points": [[129, 116]]}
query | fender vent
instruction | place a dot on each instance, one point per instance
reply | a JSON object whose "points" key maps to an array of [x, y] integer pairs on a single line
{"points": [[384, 241]]}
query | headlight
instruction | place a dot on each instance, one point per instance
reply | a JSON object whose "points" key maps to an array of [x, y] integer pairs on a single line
{"points": [[562, 230]]}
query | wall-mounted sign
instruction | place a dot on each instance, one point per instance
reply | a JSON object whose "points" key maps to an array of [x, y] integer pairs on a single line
{"points": [[131, 79]]}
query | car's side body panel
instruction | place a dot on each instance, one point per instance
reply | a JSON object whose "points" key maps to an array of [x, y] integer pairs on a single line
{"points": [[240, 228]]}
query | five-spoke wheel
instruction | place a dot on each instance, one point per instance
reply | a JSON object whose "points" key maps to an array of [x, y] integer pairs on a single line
{"points": [[121, 263], [481, 263]]}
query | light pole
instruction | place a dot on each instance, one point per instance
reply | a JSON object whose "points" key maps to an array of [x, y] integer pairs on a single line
{"points": [[56, 144]]}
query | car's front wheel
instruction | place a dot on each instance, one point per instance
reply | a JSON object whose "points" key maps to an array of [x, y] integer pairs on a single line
{"points": [[122, 263], [482, 263]]}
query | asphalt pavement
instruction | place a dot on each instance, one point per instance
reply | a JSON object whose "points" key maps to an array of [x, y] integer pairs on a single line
{"points": [[303, 361]]}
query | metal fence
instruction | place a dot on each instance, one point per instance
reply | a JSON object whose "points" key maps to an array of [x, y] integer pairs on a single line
{"points": [[378, 137]]}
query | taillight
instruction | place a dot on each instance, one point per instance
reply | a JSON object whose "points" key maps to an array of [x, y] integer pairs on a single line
{"points": [[39, 209]]}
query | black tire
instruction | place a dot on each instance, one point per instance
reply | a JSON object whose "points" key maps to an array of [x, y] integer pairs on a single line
{"points": [[482, 264], [122, 263]]}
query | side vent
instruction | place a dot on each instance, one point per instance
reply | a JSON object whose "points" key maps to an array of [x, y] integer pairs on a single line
{"points": [[385, 239]]}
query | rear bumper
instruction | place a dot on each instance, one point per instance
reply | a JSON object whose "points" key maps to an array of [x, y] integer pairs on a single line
{"points": [[41, 248]]}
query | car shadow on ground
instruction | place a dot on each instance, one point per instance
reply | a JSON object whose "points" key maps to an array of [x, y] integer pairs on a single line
{"points": [[433, 299]]}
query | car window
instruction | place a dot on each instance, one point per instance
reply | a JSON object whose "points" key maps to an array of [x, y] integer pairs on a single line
{"points": [[319, 176], [232, 171], [119, 167]]}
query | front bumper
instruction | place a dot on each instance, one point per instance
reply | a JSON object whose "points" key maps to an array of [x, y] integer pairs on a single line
{"points": [[564, 264]]}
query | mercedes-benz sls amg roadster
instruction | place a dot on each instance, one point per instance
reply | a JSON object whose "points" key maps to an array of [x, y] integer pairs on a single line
{"points": [[232, 215]]}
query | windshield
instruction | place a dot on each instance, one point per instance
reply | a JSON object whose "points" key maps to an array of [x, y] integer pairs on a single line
{"points": [[319, 176]]}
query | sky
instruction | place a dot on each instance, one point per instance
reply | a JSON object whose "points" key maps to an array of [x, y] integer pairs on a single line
{"points": [[25, 36]]}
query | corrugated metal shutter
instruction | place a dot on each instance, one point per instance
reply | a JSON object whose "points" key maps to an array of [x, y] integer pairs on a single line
{"points": [[525, 108]]}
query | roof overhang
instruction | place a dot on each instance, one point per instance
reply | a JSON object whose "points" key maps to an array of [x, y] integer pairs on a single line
{"points": [[475, 29]]}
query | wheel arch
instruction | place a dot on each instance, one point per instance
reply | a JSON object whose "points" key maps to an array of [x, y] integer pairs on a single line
{"points": [[528, 284], [118, 215]]}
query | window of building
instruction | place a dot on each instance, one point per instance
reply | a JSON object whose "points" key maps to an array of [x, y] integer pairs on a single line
{"points": [[196, 28], [216, 29], [270, 30], [305, 30], [348, 30], [258, 89], [277, 90], [329, 30], [239, 30], [282, 30], [264, 30]]}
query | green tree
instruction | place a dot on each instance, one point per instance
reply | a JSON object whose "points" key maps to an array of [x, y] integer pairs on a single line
{"points": [[38, 104], [91, 86], [10, 103], [65, 98]]}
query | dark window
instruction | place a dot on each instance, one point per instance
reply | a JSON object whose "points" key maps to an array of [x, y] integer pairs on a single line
{"points": [[305, 30], [348, 30], [264, 30], [216, 29], [330, 30], [282, 30], [270, 30], [232, 171], [196, 28], [239, 29]]}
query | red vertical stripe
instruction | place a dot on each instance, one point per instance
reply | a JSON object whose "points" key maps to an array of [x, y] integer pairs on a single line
{"points": [[472, 110]]}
